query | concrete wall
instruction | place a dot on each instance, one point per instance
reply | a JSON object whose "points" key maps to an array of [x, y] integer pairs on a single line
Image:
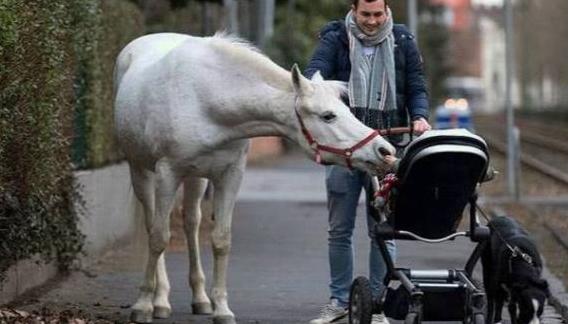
{"points": [[107, 219], [25, 275], [110, 207]]}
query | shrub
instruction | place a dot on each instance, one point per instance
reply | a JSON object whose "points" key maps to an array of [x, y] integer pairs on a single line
{"points": [[56, 61]]}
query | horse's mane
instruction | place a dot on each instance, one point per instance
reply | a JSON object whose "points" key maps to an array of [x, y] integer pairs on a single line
{"points": [[339, 88], [249, 55]]}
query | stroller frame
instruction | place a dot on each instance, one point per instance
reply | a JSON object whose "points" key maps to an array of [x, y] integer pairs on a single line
{"points": [[420, 290]]}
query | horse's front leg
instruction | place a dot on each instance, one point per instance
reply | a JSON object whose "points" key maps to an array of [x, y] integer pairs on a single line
{"points": [[153, 299], [193, 191], [225, 191]]}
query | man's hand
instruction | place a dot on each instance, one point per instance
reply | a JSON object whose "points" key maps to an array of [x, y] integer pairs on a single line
{"points": [[390, 160], [392, 163], [421, 125]]}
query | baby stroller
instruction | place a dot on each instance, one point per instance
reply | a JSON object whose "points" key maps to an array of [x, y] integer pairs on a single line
{"points": [[424, 200]]}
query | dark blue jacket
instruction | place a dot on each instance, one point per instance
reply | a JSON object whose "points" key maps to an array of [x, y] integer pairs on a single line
{"points": [[331, 58]]}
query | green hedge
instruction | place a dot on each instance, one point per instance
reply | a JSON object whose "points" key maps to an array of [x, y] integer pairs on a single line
{"points": [[121, 22], [98, 40], [56, 62], [36, 183]]}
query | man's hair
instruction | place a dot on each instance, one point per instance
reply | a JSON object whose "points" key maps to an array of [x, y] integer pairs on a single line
{"points": [[356, 2]]}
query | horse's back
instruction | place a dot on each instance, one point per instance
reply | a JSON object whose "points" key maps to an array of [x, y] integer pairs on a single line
{"points": [[158, 108], [146, 50]]}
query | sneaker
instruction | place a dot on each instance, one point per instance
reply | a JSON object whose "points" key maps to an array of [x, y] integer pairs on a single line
{"points": [[331, 313], [379, 319]]}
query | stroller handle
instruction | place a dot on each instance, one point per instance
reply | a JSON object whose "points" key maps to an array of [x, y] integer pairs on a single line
{"points": [[395, 131]]}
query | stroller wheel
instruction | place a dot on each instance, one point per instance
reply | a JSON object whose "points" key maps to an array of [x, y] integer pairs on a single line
{"points": [[360, 302], [412, 318]]}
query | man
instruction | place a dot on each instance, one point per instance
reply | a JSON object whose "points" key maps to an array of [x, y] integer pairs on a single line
{"points": [[383, 66]]}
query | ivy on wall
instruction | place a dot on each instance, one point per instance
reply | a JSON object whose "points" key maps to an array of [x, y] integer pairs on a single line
{"points": [[36, 184], [56, 61]]}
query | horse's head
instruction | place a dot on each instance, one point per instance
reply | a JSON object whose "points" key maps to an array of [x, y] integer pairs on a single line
{"points": [[329, 129]]}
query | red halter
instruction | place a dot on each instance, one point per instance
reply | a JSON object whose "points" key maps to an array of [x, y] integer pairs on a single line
{"points": [[346, 153]]}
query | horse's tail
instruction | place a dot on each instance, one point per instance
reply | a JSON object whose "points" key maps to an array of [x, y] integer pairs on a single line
{"points": [[121, 65], [124, 61]]}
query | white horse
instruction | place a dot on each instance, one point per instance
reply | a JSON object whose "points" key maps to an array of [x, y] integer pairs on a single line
{"points": [[185, 109]]}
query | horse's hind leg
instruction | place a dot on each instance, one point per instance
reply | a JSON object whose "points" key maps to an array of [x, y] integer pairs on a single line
{"points": [[226, 187], [143, 185], [157, 194], [194, 188]]}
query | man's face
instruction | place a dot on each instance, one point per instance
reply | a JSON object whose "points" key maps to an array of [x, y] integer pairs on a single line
{"points": [[369, 16]]}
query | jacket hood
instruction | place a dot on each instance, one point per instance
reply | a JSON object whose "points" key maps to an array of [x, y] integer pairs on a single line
{"points": [[336, 26]]}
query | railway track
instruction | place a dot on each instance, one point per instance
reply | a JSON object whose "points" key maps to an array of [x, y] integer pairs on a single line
{"points": [[544, 148]]}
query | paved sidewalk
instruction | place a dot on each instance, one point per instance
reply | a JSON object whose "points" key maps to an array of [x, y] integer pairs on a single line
{"points": [[290, 178]]}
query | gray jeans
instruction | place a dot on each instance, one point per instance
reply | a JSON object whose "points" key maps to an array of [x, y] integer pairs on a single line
{"points": [[343, 191]]}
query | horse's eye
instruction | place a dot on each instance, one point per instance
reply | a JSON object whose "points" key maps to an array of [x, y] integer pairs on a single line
{"points": [[328, 117]]}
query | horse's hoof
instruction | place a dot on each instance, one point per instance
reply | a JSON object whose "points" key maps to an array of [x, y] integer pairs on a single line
{"points": [[224, 320], [202, 308], [162, 312], [138, 316]]}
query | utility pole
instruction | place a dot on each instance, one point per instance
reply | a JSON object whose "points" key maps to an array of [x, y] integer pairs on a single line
{"points": [[412, 14], [264, 21], [512, 132], [232, 15], [290, 13], [207, 18]]}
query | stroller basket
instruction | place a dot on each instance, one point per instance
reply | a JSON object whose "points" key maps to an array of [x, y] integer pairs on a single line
{"points": [[437, 305], [437, 176]]}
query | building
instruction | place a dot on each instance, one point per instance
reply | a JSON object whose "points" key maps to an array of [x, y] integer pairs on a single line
{"points": [[477, 48]]}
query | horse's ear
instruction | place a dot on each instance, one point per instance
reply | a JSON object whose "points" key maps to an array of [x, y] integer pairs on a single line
{"points": [[301, 84], [317, 77]]}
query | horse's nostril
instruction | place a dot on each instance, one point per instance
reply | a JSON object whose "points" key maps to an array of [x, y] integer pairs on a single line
{"points": [[384, 151]]}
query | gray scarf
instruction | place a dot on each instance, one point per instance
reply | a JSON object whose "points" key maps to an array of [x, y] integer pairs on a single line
{"points": [[372, 82]]}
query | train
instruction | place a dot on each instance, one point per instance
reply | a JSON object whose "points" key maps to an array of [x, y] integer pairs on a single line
{"points": [[454, 113]]}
